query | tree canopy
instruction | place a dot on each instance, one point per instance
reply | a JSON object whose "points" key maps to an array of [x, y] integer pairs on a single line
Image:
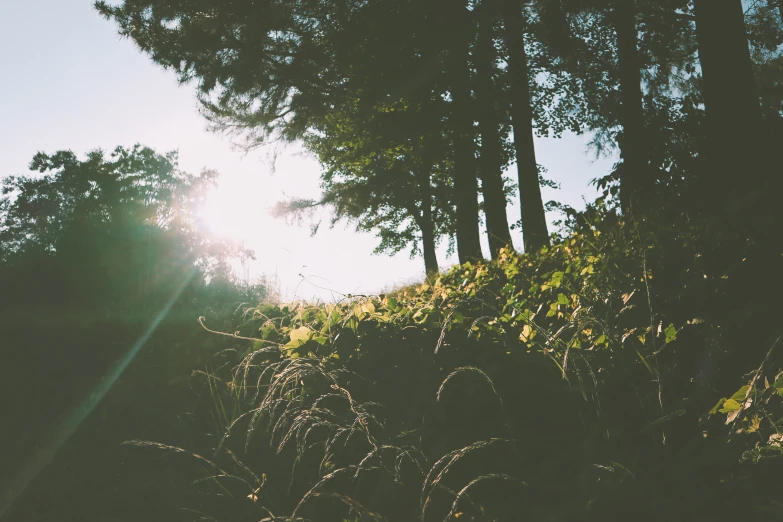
{"points": [[636, 75], [666, 82], [114, 228]]}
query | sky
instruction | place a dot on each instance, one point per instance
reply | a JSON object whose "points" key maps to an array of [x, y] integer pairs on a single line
{"points": [[70, 82]]}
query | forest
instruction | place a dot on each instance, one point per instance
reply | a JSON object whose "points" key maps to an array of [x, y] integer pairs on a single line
{"points": [[623, 362]]}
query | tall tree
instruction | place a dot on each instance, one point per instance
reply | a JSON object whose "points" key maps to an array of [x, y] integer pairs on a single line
{"points": [[491, 152], [534, 227], [465, 171], [730, 99], [388, 175], [632, 64], [425, 217], [634, 173], [281, 67]]}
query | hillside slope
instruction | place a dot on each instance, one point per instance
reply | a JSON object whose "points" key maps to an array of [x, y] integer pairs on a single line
{"points": [[586, 382]]}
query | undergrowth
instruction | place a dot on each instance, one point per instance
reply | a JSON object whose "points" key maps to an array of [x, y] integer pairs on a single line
{"points": [[573, 384]]}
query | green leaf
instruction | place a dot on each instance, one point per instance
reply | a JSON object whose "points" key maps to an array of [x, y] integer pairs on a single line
{"points": [[527, 315], [299, 337], [527, 333], [671, 333], [359, 312], [740, 395], [730, 406], [778, 385], [554, 282], [268, 332], [302, 333], [715, 409], [562, 299]]}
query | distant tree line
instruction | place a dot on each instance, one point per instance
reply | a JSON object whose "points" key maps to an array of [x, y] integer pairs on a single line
{"points": [[110, 235]]}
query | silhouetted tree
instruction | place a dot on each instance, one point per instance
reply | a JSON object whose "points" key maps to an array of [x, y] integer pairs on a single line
{"points": [[534, 227], [730, 99], [634, 176], [388, 175], [465, 168], [491, 156]]}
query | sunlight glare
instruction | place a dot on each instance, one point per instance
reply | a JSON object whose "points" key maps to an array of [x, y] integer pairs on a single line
{"points": [[221, 216], [233, 211]]}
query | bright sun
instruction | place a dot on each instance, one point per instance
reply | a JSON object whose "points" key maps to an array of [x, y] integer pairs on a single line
{"points": [[222, 216], [234, 211]]}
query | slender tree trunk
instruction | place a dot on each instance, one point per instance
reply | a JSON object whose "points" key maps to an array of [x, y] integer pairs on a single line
{"points": [[731, 102], [428, 244], [426, 223], [635, 176], [465, 181], [490, 169], [534, 228]]}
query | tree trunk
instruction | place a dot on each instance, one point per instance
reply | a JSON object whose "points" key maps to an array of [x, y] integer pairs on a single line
{"points": [[534, 228], [490, 169], [426, 224], [736, 186], [731, 102], [635, 176], [428, 246], [465, 181]]}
